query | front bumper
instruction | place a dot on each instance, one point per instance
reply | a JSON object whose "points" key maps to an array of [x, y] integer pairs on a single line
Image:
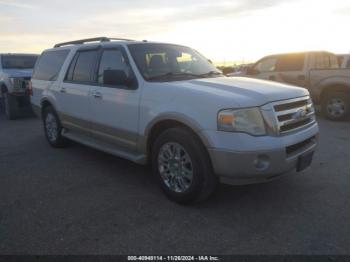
{"points": [[244, 159]]}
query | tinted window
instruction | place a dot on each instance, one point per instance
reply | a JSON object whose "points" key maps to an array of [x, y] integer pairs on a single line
{"points": [[326, 61], [340, 59], [334, 61], [291, 62], [84, 66], [18, 61], [49, 65], [266, 65], [112, 60]]}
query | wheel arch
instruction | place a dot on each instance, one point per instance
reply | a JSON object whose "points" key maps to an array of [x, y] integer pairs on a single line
{"points": [[44, 104], [336, 87], [162, 124]]}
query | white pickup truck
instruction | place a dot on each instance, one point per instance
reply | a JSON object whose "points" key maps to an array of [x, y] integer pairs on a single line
{"points": [[166, 105], [15, 73]]}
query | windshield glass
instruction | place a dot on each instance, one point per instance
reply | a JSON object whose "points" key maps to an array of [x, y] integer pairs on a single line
{"points": [[166, 62], [18, 61]]}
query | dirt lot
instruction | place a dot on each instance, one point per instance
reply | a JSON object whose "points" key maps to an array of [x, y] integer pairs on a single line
{"points": [[81, 201]]}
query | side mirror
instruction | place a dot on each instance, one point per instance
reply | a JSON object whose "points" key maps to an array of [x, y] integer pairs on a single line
{"points": [[116, 78]]}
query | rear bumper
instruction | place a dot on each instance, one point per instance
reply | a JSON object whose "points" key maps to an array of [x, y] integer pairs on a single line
{"points": [[268, 161]]}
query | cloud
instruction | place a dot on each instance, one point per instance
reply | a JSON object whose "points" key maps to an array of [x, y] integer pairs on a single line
{"points": [[15, 4]]}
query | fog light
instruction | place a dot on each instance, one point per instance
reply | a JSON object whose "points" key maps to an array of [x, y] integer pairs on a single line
{"points": [[262, 162]]}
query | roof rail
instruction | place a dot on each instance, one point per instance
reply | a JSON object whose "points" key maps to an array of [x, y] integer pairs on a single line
{"points": [[88, 40]]}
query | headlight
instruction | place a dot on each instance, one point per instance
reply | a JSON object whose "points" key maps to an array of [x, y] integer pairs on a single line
{"points": [[247, 120]]}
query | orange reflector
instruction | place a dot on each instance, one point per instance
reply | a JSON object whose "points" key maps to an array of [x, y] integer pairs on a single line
{"points": [[226, 119]]}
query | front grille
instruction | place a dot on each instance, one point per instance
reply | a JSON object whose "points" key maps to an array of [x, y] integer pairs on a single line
{"points": [[294, 114]]}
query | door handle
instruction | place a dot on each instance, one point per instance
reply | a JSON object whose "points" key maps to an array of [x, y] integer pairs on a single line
{"points": [[63, 90], [96, 94]]}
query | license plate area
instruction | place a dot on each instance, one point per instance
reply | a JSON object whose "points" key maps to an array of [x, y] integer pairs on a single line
{"points": [[304, 161]]}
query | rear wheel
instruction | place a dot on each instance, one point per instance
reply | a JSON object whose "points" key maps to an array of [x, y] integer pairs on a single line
{"points": [[53, 128], [182, 166], [336, 106], [10, 106]]}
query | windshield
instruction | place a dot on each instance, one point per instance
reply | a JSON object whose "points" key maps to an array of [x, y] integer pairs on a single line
{"points": [[165, 62], [18, 61]]}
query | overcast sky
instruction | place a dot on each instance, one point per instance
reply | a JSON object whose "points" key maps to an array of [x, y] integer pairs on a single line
{"points": [[220, 29]]}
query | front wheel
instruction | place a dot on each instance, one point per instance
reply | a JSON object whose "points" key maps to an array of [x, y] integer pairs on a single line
{"points": [[53, 128], [182, 166], [336, 106]]}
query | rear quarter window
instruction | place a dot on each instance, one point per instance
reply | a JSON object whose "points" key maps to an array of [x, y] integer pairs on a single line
{"points": [[49, 65]]}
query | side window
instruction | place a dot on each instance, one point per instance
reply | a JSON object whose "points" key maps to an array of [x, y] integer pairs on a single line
{"points": [[112, 60], [49, 65], [266, 65], [82, 67], [333, 61], [326, 61], [340, 60], [292, 62]]}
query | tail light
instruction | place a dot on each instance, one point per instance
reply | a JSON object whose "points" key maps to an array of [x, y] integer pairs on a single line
{"points": [[30, 88]]}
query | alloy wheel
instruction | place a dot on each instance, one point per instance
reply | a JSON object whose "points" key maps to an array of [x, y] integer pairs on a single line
{"points": [[51, 127], [175, 167]]}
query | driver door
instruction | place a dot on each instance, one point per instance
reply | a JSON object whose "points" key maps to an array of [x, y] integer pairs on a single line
{"points": [[115, 108], [265, 69]]}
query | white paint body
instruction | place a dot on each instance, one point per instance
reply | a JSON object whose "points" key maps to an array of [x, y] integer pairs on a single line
{"points": [[195, 103]]}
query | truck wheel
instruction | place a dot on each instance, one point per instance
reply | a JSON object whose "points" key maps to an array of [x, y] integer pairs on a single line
{"points": [[10, 105], [53, 128], [182, 166], [336, 106]]}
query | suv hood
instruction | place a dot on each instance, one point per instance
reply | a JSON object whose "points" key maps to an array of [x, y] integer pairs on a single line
{"points": [[18, 72], [243, 91]]}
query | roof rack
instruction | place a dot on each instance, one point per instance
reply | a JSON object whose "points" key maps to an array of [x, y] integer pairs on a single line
{"points": [[89, 40]]}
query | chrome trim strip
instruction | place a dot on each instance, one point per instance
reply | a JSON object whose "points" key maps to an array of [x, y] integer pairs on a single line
{"points": [[290, 111], [288, 101]]}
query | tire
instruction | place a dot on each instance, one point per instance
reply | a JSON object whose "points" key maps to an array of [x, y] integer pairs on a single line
{"points": [[10, 106], [336, 106], [195, 186], [53, 128]]}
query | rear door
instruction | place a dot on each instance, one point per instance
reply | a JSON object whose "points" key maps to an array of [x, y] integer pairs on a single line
{"points": [[115, 108], [74, 93], [46, 72]]}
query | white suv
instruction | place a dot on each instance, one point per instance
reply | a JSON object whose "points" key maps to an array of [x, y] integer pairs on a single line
{"points": [[167, 105]]}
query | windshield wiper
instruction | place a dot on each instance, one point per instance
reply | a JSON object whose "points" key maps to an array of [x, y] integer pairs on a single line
{"points": [[171, 74]]}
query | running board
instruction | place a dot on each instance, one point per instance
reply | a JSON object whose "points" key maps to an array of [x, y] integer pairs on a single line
{"points": [[91, 142]]}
